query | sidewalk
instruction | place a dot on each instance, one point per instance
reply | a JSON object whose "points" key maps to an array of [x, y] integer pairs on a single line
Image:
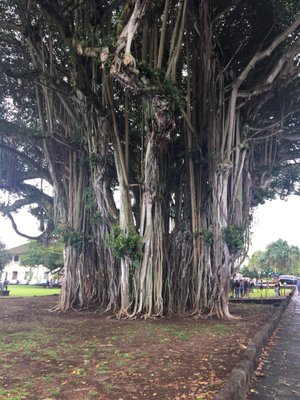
{"points": [[282, 366]]}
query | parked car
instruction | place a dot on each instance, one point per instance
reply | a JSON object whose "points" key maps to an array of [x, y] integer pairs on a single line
{"points": [[288, 279]]}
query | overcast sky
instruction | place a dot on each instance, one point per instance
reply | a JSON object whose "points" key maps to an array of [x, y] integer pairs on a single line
{"points": [[274, 220], [26, 224], [277, 219]]}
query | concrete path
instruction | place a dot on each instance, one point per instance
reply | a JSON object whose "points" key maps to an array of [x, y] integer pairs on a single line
{"points": [[282, 366]]}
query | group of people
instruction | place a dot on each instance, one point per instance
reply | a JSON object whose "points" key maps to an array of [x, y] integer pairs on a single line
{"points": [[277, 287], [240, 288]]}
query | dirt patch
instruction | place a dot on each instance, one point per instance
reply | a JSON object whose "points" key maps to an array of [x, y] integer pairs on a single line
{"points": [[81, 355]]}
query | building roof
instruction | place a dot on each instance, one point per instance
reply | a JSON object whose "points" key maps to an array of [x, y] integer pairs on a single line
{"points": [[17, 251]]}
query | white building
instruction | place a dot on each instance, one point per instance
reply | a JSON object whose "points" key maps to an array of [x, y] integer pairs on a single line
{"points": [[14, 272]]}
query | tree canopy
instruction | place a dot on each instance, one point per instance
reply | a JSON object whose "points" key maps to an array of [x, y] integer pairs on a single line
{"points": [[4, 256], [189, 108], [50, 255], [279, 257]]}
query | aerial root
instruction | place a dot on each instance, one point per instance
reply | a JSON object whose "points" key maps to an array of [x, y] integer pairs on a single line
{"points": [[129, 60]]}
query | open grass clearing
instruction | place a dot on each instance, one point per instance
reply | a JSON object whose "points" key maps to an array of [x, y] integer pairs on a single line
{"points": [[31, 290], [268, 293]]}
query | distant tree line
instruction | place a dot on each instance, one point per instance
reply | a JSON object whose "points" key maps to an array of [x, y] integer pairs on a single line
{"points": [[279, 258], [4, 256]]}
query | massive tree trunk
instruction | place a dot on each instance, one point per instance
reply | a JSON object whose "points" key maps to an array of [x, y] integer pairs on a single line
{"points": [[104, 215], [76, 151], [150, 277]]}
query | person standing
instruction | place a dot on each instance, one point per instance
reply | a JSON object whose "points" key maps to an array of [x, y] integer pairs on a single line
{"points": [[5, 284], [237, 289], [242, 288], [252, 286], [246, 288], [261, 286], [279, 287]]}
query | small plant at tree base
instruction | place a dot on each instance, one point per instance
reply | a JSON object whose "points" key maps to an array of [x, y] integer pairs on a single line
{"points": [[234, 236]]}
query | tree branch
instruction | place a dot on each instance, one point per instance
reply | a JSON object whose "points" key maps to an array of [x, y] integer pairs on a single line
{"points": [[285, 60], [44, 173], [52, 10], [33, 195], [131, 27], [225, 10], [292, 137], [267, 52], [15, 228]]}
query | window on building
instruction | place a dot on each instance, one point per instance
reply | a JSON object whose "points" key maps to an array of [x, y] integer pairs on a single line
{"points": [[46, 275], [16, 258], [15, 275]]}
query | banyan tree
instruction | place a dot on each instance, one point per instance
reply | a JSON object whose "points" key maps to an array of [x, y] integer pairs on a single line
{"points": [[160, 125]]}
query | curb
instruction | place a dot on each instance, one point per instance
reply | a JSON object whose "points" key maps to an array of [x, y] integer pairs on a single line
{"points": [[239, 379]]}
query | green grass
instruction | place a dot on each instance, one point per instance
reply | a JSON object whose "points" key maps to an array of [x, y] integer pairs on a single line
{"points": [[220, 328], [270, 293], [30, 291], [258, 293]]}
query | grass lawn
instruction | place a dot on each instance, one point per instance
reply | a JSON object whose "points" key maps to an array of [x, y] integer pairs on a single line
{"points": [[31, 290], [258, 293]]}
